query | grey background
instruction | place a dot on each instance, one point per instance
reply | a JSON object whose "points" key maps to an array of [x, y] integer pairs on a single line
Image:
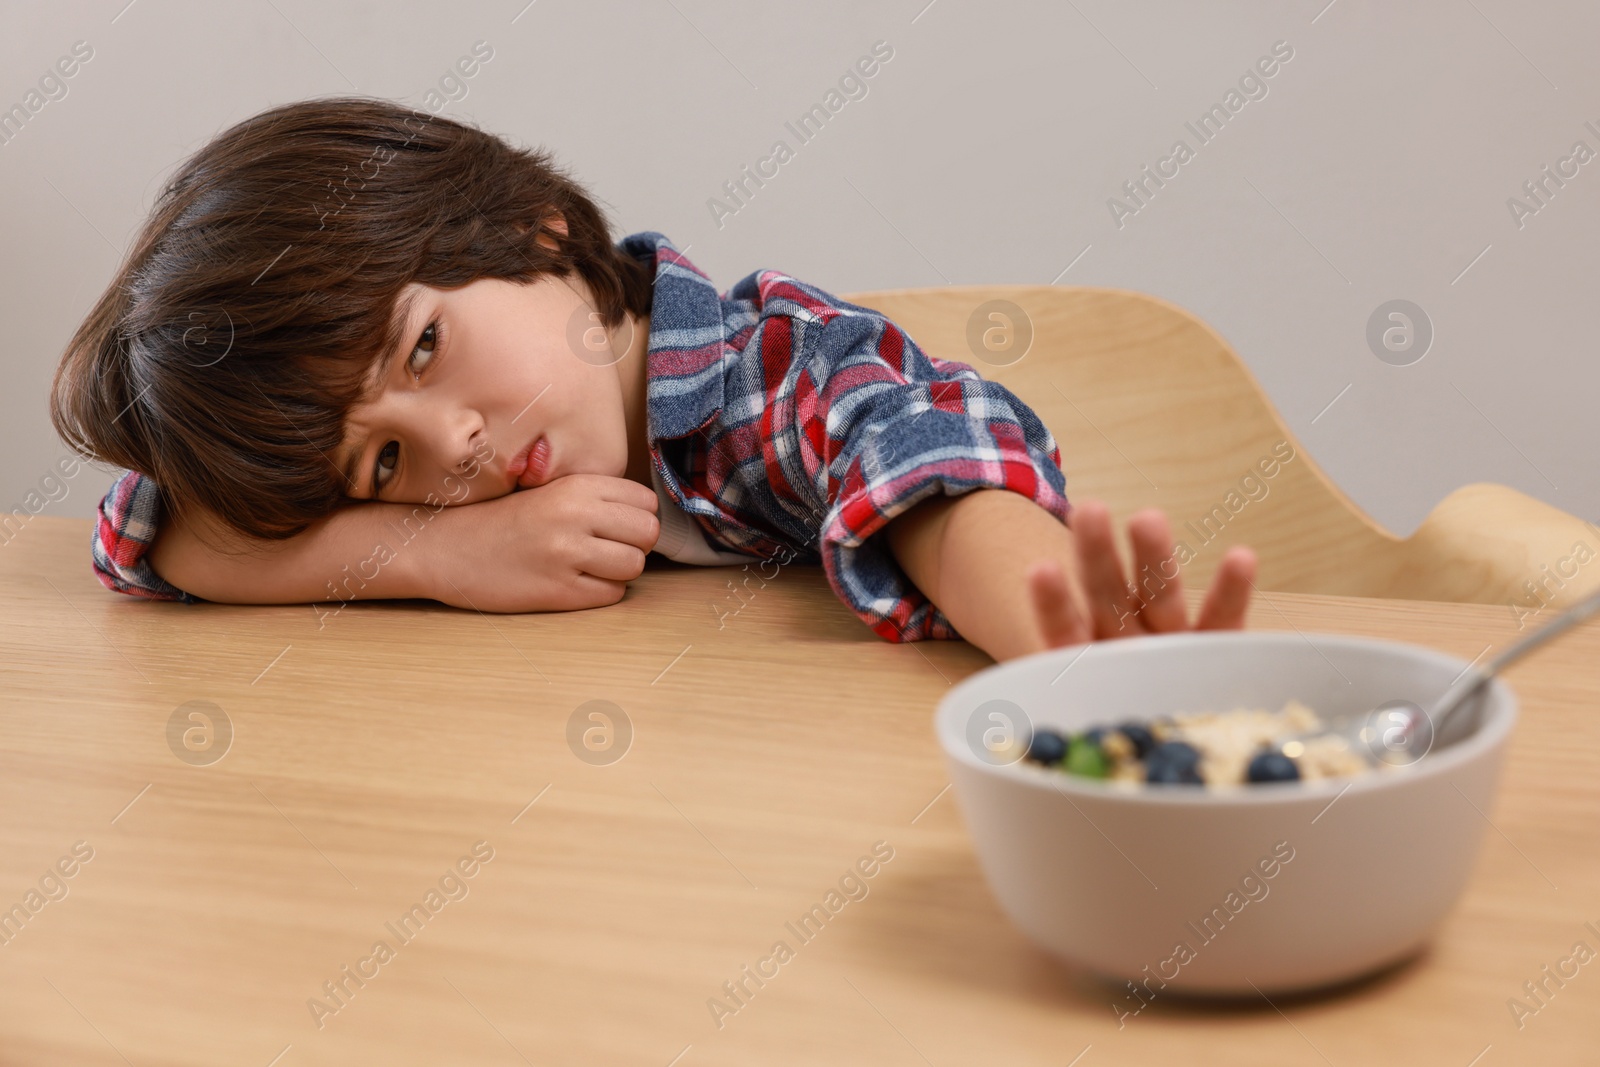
{"points": [[1378, 167]]}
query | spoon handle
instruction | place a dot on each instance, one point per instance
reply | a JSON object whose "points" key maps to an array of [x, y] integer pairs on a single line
{"points": [[1569, 618], [1565, 621]]}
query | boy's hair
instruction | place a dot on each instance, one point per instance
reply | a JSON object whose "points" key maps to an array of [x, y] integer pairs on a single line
{"points": [[240, 330]]}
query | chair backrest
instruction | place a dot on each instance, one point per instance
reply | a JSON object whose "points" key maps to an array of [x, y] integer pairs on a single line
{"points": [[1151, 408]]}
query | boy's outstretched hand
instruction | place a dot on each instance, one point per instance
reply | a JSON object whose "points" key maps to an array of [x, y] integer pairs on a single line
{"points": [[1013, 580], [1096, 601]]}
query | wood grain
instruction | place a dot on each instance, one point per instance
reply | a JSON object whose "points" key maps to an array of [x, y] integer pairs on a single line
{"points": [[768, 755]]}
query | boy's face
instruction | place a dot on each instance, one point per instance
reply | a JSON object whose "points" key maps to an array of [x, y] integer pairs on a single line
{"points": [[503, 365]]}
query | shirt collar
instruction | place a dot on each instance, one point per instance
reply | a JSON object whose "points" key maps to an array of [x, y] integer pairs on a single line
{"points": [[685, 364]]}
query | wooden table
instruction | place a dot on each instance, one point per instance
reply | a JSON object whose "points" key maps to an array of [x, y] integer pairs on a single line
{"points": [[771, 749]]}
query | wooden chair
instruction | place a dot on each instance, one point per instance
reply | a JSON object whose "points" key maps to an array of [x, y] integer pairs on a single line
{"points": [[1151, 408]]}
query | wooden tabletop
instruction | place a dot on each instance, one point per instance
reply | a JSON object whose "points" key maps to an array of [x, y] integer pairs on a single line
{"points": [[396, 747]]}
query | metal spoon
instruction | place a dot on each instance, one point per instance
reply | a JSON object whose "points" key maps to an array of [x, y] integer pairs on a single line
{"points": [[1400, 732]]}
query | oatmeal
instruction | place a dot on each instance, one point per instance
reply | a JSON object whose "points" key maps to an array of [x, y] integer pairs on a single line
{"points": [[1239, 747]]}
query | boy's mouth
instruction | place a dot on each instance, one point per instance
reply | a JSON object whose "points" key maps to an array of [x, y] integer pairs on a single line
{"points": [[529, 466]]}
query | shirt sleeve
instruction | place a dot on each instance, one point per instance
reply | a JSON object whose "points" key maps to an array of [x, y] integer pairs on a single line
{"points": [[881, 426], [130, 515]]}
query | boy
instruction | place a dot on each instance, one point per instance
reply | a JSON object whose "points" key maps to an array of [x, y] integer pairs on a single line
{"points": [[344, 316]]}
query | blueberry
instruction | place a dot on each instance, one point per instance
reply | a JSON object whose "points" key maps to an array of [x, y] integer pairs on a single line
{"points": [[1139, 736], [1095, 734], [1272, 766], [1173, 763], [1086, 758], [1046, 747], [1178, 752]]}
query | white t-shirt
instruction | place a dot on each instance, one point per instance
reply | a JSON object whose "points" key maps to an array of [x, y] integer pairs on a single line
{"points": [[681, 538]]}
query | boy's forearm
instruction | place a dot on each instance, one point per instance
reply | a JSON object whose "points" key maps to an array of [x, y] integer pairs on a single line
{"points": [[970, 554], [358, 552]]}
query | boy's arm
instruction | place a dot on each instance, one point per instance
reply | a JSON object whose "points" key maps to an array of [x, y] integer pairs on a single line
{"points": [[968, 554], [871, 435], [569, 544], [324, 562], [977, 556]]}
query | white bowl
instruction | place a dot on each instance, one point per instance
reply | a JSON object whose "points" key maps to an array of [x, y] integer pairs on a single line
{"points": [[1329, 879]]}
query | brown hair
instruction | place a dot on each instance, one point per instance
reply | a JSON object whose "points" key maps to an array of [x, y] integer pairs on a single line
{"points": [[241, 329]]}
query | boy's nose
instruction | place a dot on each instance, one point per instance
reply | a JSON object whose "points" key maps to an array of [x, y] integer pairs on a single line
{"points": [[462, 442], [472, 450]]}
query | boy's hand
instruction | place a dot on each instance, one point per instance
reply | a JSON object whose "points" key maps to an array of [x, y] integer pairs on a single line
{"points": [[571, 543], [1096, 602]]}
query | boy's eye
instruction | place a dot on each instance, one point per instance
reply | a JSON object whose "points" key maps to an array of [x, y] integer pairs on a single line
{"points": [[421, 355], [378, 477], [426, 344]]}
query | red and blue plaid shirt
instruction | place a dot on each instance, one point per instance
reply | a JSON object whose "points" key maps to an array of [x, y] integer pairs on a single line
{"points": [[790, 424]]}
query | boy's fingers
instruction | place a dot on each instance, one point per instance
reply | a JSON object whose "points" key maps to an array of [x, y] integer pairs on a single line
{"points": [[1111, 608], [1061, 622], [1156, 580], [1229, 599]]}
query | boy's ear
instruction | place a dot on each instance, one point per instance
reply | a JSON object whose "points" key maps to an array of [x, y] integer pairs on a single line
{"points": [[556, 222]]}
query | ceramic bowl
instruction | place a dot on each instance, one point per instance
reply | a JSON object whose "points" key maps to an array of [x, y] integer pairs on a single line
{"points": [[1265, 888]]}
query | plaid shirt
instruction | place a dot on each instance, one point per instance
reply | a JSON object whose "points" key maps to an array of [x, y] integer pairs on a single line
{"points": [[790, 424]]}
